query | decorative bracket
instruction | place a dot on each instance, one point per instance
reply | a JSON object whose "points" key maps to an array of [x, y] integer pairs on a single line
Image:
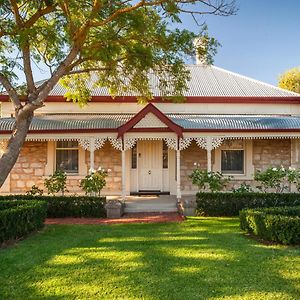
{"points": [[116, 143], [184, 143], [209, 143], [171, 143], [92, 144]]}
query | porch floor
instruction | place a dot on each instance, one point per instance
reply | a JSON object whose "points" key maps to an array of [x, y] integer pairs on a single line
{"points": [[151, 203]]}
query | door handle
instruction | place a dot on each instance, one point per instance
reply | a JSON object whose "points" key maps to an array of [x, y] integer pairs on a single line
{"points": [[149, 172]]}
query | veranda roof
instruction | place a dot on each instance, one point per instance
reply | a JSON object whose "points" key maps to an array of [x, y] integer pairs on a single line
{"points": [[189, 122]]}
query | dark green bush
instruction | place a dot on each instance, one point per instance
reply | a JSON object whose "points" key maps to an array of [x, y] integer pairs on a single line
{"points": [[278, 224], [18, 218], [229, 204], [67, 206]]}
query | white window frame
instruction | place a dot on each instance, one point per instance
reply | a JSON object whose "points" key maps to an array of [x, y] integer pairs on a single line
{"points": [[51, 161], [248, 161], [63, 149]]}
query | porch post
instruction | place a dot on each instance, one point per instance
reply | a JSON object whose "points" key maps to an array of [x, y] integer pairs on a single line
{"points": [[123, 175], [208, 152], [178, 174], [92, 154]]}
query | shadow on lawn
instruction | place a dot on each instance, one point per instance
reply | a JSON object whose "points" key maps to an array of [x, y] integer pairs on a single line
{"points": [[198, 259]]}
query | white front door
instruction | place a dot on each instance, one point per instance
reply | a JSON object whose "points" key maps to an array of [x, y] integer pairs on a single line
{"points": [[150, 165]]}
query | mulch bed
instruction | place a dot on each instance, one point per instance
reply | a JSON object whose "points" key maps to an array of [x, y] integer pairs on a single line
{"points": [[127, 218]]}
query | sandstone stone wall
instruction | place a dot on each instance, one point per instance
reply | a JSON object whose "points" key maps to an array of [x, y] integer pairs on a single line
{"points": [[188, 157], [29, 168], [271, 153], [109, 158]]}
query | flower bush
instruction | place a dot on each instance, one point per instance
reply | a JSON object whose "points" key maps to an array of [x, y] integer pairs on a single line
{"points": [[208, 181], [94, 182], [272, 178], [56, 183], [243, 188]]}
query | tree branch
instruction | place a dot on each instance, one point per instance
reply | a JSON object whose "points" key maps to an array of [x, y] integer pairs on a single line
{"points": [[12, 93]]}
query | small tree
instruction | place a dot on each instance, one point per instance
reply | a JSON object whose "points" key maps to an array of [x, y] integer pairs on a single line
{"points": [[213, 181], [290, 80], [56, 183], [94, 182]]}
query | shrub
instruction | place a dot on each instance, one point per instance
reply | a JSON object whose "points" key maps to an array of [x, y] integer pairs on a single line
{"points": [[67, 206], [35, 191], [213, 181], [94, 182], [56, 183], [278, 224], [243, 188], [229, 204], [18, 218]]}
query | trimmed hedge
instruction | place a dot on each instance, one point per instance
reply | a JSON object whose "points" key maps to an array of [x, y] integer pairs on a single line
{"points": [[229, 204], [67, 206], [18, 218], [278, 224]]}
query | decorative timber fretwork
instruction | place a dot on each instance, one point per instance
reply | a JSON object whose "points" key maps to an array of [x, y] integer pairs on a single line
{"points": [[91, 144], [116, 143], [209, 143], [184, 143]]}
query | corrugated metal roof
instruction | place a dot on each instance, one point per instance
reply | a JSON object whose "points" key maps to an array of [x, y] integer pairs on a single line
{"points": [[206, 81], [195, 121]]}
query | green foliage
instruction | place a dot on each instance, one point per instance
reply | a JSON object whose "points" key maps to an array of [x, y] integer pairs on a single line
{"points": [[278, 224], [229, 204], [272, 178], [56, 183], [94, 182], [293, 177], [212, 181], [67, 206], [35, 191], [18, 218], [290, 80], [243, 188]]}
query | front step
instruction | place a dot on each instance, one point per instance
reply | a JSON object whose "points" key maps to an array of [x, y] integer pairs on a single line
{"points": [[151, 204]]}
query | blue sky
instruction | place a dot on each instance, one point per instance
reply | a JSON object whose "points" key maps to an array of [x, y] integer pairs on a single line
{"points": [[261, 41]]}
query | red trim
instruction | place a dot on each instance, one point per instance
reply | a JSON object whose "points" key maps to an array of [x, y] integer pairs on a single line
{"points": [[150, 108], [151, 130], [189, 99], [242, 130]]}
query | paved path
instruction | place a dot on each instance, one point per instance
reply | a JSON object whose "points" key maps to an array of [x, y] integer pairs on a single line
{"points": [[127, 218]]}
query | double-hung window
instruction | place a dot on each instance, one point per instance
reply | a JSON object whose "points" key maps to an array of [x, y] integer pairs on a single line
{"points": [[233, 157], [67, 156]]}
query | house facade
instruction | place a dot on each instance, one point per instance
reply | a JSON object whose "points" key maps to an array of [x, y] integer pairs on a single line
{"points": [[227, 123]]}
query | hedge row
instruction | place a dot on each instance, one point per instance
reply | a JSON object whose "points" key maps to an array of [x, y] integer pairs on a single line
{"points": [[278, 224], [67, 206], [229, 204], [18, 218]]}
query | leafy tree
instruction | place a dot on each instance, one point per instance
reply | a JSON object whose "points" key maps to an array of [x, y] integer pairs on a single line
{"points": [[290, 80], [120, 41]]}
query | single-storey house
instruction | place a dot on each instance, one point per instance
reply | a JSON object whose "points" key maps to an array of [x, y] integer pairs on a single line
{"points": [[228, 123]]}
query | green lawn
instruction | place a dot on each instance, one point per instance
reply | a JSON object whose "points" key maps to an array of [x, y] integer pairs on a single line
{"points": [[202, 258]]}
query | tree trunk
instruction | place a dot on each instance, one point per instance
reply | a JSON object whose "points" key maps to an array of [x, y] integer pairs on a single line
{"points": [[15, 143]]}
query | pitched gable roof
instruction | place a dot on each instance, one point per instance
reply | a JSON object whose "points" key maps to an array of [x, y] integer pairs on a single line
{"points": [[160, 118]]}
